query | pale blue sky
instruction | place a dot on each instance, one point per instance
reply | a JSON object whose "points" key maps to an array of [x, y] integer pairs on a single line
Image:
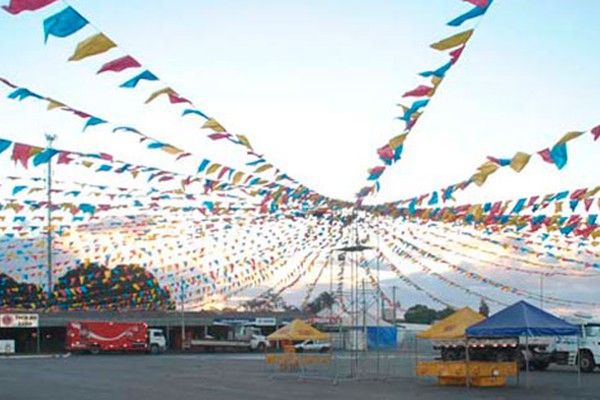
{"points": [[314, 86]]}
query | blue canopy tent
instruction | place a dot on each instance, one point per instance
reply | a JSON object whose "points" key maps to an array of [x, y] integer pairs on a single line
{"points": [[522, 319]]}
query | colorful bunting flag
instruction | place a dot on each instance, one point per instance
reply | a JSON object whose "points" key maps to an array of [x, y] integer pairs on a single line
{"points": [[475, 12], [96, 44], [18, 6], [133, 82], [63, 23], [453, 41], [120, 64]]}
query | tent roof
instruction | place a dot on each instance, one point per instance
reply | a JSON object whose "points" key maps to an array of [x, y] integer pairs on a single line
{"points": [[297, 330], [453, 326], [360, 319], [346, 320], [522, 319]]}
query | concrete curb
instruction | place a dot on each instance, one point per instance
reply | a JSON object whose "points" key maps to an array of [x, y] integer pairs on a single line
{"points": [[33, 356]]}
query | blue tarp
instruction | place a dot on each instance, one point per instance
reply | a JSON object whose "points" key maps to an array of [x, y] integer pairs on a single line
{"points": [[522, 319], [383, 337]]}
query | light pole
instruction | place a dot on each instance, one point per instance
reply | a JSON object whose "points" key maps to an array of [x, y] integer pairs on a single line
{"points": [[182, 290], [394, 301], [49, 139]]}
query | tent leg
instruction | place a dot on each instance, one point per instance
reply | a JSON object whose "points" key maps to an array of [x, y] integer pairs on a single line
{"points": [[416, 358], [527, 361], [578, 362], [467, 358]]}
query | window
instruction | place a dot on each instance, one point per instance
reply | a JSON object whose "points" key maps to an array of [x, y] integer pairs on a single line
{"points": [[592, 331]]}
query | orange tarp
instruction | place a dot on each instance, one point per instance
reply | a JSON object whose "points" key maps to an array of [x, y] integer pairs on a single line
{"points": [[453, 326], [297, 330]]}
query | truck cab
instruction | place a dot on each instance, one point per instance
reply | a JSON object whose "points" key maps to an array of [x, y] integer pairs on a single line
{"points": [[254, 336], [157, 342], [588, 357]]}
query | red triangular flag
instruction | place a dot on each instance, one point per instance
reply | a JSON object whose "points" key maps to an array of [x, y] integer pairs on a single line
{"points": [[17, 6], [119, 64], [419, 91], [545, 154], [455, 54], [596, 132], [174, 99]]}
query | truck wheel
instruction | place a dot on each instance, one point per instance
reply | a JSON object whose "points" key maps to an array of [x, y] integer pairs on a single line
{"points": [[95, 350], [586, 362], [154, 349], [541, 365], [261, 347]]}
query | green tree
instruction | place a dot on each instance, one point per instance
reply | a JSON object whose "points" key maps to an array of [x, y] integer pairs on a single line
{"points": [[322, 301], [420, 314], [445, 313]]}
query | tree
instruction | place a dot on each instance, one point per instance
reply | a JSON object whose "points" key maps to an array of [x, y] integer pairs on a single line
{"points": [[20, 295], [420, 314], [267, 302], [484, 309], [125, 287], [322, 301], [445, 313]]}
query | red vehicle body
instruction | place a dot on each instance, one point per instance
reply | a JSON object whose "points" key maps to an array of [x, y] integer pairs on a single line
{"points": [[97, 336]]}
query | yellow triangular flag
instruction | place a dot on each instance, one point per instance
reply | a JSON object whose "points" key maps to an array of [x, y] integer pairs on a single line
{"points": [[214, 125], [479, 178], [558, 207], [171, 149], [263, 168], [213, 168], [519, 161], [569, 136], [488, 168], [237, 177], [396, 141], [453, 41], [154, 95], [91, 46], [52, 104], [436, 80], [244, 140]]}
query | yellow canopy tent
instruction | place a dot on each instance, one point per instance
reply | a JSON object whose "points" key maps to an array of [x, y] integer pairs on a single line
{"points": [[297, 330], [453, 326]]}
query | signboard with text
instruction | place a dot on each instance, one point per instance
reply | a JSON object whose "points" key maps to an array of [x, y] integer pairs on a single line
{"points": [[19, 320]]}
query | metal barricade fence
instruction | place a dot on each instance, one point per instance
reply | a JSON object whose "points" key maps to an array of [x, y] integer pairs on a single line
{"points": [[344, 365]]}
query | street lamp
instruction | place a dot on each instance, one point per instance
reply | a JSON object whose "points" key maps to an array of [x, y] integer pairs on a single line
{"points": [[49, 139]]}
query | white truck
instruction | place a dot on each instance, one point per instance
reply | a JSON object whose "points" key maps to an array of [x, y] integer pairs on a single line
{"points": [[312, 346], [588, 357], [240, 338]]}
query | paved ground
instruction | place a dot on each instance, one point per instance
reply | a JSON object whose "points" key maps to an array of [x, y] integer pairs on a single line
{"points": [[181, 377]]}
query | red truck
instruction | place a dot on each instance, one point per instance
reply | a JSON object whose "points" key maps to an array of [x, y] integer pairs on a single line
{"points": [[102, 336]]}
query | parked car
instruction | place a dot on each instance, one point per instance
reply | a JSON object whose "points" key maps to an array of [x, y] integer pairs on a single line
{"points": [[312, 346]]}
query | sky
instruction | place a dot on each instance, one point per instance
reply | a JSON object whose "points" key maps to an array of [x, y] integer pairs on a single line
{"points": [[314, 86]]}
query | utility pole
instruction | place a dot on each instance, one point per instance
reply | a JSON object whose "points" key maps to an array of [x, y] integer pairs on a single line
{"points": [[182, 290], [394, 301], [50, 139]]}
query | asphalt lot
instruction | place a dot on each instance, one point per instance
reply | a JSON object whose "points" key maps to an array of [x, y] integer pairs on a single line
{"points": [[246, 376]]}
